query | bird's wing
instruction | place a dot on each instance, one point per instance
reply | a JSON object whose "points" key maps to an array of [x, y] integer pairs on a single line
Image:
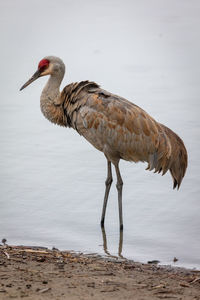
{"points": [[118, 127], [121, 129]]}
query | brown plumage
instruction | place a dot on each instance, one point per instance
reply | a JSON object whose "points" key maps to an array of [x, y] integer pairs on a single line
{"points": [[113, 125]]}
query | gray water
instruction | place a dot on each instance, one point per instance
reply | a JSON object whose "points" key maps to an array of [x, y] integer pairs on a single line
{"points": [[51, 179]]}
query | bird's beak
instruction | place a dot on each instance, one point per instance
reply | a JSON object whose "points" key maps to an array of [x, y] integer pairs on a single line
{"points": [[35, 76]]}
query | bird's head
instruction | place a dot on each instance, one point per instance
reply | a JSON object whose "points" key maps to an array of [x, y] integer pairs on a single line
{"points": [[50, 65]]}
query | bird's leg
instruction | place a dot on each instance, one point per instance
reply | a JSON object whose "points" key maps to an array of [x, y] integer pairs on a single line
{"points": [[119, 186], [108, 183], [120, 244]]}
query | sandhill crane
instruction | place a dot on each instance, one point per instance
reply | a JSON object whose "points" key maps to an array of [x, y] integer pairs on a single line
{"points": [[112, 124]]}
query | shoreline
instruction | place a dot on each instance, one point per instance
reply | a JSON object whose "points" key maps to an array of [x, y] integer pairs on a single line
{"points": [[41, 273]]}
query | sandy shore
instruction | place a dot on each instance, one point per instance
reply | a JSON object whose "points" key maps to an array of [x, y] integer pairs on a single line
{"points": [[40, 273]]}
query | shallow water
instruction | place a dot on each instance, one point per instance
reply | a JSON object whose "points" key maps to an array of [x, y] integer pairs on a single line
{"points": [[51, 179]]}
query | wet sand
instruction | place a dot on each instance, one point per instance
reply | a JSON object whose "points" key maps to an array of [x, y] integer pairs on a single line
{"points": [[40, 273]]}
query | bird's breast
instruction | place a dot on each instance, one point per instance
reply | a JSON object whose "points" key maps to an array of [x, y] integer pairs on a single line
{"points": [[54, 113]]}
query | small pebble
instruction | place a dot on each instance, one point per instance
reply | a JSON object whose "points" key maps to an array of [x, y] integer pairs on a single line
{"points": [[175, 259], [28, 286], [155, 262], [4, 241]]}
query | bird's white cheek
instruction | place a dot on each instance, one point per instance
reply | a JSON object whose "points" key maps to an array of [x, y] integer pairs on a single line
{"points": [[46, 72]]}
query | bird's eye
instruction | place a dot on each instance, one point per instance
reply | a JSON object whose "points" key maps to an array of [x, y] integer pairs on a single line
{"points": [[43, 64]]}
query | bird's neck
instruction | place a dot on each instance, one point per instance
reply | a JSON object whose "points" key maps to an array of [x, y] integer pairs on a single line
{"points": [[52, 87], [50, 101]]}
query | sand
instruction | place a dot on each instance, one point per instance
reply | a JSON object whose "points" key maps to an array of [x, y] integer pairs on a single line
{"points": [[40, 273]]}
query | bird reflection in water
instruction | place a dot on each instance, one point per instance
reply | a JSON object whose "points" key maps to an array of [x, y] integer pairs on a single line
{"points": [[105, 246]]}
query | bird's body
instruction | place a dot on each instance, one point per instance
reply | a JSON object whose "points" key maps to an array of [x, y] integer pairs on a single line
{"points": [[112, 124]]}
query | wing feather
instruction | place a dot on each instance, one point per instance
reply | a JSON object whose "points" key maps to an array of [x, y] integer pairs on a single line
{"points": [[119, 127]]}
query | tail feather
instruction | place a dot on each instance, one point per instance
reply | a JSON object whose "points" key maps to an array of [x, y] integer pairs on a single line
{"points": [[171, 155]]}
